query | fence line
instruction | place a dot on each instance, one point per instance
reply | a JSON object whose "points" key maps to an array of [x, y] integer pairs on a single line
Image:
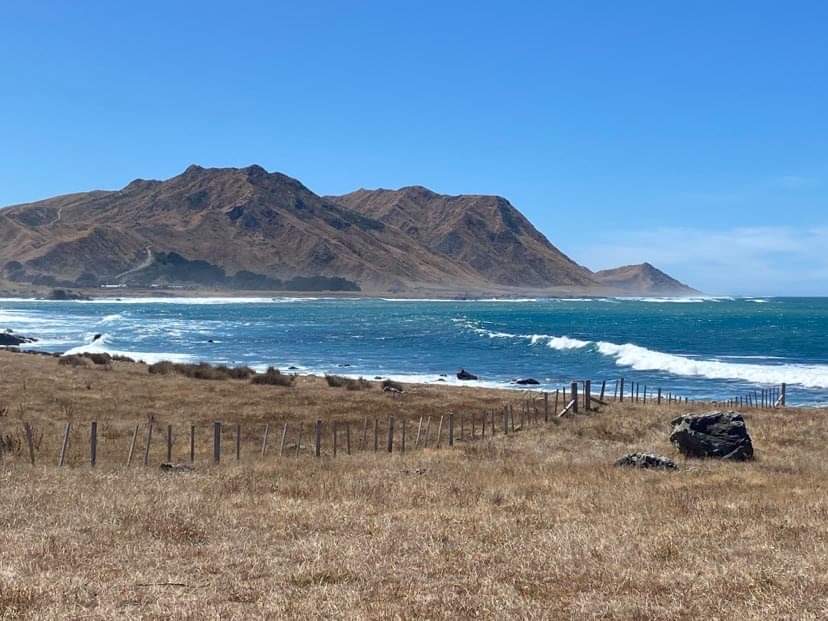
{"points": [[580, 396]]}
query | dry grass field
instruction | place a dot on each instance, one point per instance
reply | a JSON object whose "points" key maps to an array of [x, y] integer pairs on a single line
{"points": [[536, 524]]}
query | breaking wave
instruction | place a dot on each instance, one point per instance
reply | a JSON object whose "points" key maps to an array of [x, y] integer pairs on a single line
{"points": [[642, 359]]}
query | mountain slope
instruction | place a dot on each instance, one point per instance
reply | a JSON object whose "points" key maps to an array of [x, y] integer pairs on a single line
{"points": [[238, 220], [643, 278], [245, 228], [485, 234]]}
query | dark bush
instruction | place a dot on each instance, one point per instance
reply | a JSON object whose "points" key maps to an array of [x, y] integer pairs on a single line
{"points": [[165, 367], [392, 384], [337, 381], [98, 358], [273, 377]]}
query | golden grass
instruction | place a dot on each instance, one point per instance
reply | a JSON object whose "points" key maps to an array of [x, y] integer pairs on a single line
{"points": [[538, 524]]}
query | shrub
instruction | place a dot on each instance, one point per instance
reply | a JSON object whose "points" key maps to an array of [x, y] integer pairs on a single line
{"points": [[202, 370], [98, 358], [392, 384], [237, 372], [358, 384], [165, 367], [272, 377], [74, 361], [337, 381], [119, 358]]}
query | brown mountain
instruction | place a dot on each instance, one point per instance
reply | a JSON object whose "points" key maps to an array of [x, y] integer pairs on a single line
{"points": [[484, 234], [643, 278], [250, 229]]}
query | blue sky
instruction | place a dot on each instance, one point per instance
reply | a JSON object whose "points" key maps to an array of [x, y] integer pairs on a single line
{"points": [[693, 135]]}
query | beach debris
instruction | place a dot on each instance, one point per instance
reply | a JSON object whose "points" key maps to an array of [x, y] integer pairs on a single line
{"points": [[527, 381], [646, 460], [722, 435], [170, 467], [462, 374]]}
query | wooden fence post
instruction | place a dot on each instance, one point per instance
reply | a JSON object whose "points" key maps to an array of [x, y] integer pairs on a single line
{"points": [[440, 432], [333, 437], [451, 429], [419, 429], [545, 407], [483, 426], [30, 442], [238, 441], [587, 395], [376, 434], [132, 445], [364, 444], [299, 439], [573, 389], [317, 450], [149, 440], [659, 397], [264, 439], [390, 434], [65, 444], [93, 443], [169, 443], [784, 394], [621, 391], [216, 442], [282, 443], [603, 388]]}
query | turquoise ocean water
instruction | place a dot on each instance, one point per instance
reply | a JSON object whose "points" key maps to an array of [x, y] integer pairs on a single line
{"points": [[698, 347]]}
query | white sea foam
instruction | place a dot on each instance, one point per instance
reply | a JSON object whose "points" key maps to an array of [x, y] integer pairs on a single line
{"points": [[111, 318], [643, 359], [200, 301], [99, 347], [565, 342]]}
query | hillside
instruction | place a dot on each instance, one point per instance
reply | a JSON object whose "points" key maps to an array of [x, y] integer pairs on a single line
{"points": [[485, 234], [643, 278], [247, 229]]}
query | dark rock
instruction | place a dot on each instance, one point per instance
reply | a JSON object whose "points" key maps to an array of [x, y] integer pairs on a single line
{"points": [[462, 374], [66, 294], [441, 379], [529, 381], [715, 434], [10, 339], [97, 337], [646, 460], [293, 368]]}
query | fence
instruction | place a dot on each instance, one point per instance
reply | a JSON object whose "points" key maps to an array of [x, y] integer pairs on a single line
{"points": [[394, 434]]}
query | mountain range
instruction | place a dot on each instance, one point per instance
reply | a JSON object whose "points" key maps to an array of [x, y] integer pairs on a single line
{"points": [[248, 229]]}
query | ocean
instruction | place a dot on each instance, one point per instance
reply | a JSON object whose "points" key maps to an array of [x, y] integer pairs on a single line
{"points": [[700, 347]]}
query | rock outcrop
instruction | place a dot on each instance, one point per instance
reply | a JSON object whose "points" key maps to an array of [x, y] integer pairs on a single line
{"points": [[722, 435]]}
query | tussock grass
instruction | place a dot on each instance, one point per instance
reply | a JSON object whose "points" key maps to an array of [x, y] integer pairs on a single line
{"points": [[538, 524]]}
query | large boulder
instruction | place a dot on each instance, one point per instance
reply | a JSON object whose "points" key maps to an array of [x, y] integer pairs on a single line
{"points": [[527, 381], [646, 460], [462, 374], [714, 434], [9, 339]]}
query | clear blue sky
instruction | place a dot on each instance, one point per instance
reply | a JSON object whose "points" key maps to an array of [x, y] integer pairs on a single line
{"points": [[690, 134]]}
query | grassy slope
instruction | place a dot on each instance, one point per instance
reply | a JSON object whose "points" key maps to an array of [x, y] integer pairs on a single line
{"points": [[536, 524]]}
